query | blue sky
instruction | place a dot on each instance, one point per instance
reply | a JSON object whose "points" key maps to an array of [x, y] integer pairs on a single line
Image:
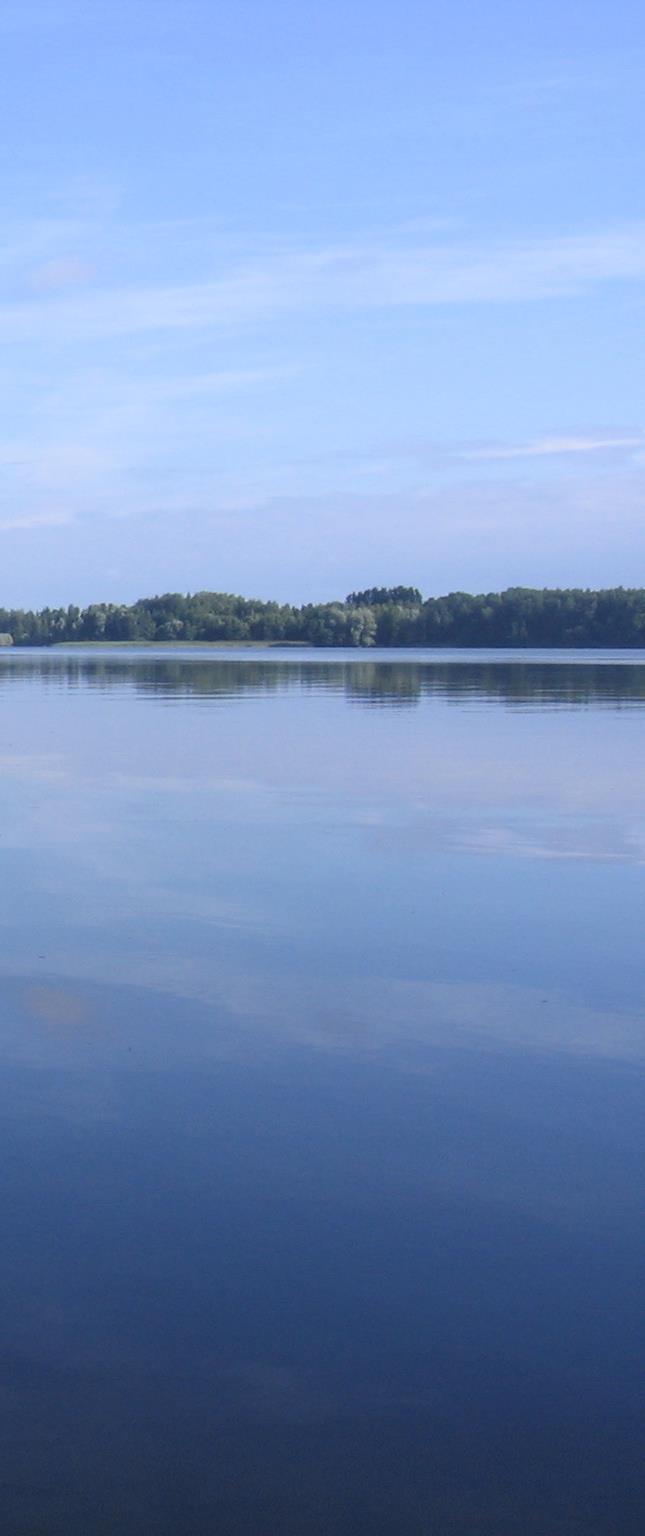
{"points": [[295, 298]]}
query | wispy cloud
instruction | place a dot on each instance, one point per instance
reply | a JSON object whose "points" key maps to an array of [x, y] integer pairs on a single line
{"points": [[552, 447], [35, 520], [374, 274], [216, 382], [58, 276]]}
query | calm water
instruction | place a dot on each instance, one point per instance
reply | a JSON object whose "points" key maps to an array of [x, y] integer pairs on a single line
{"points": [[322, 1095]]}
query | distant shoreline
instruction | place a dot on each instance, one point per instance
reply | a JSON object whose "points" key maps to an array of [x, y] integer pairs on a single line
{"points": [[391, 618], [174, 645]]}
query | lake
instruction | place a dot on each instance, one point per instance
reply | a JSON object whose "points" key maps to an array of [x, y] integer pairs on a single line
{"points": [[322, 1093]]}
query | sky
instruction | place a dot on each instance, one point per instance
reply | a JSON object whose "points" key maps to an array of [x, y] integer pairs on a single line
{"points": [[296, 299]]}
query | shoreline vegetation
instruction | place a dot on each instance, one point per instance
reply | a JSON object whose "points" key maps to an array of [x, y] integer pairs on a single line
{"points": [[566, 618], [174, 645]]}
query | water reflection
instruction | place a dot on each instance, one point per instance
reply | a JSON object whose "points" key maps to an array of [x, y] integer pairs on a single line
{"points": [[579, 678], [322, 1096]]}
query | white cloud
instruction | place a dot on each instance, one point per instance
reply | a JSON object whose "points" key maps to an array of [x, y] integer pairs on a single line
{"points": [[35, 520], [370, 275], [549, 447]]}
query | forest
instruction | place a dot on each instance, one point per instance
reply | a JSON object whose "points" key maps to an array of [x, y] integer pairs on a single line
{"points": [[375, 616]]}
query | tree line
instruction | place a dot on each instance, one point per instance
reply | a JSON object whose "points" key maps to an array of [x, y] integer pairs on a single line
{"points": [[382, 616]]}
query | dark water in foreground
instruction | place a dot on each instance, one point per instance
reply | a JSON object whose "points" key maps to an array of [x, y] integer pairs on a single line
{"points": [[322, 1054]]}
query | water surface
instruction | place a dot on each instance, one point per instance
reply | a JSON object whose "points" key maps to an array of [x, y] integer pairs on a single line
{"points": [[322, 1131]]}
